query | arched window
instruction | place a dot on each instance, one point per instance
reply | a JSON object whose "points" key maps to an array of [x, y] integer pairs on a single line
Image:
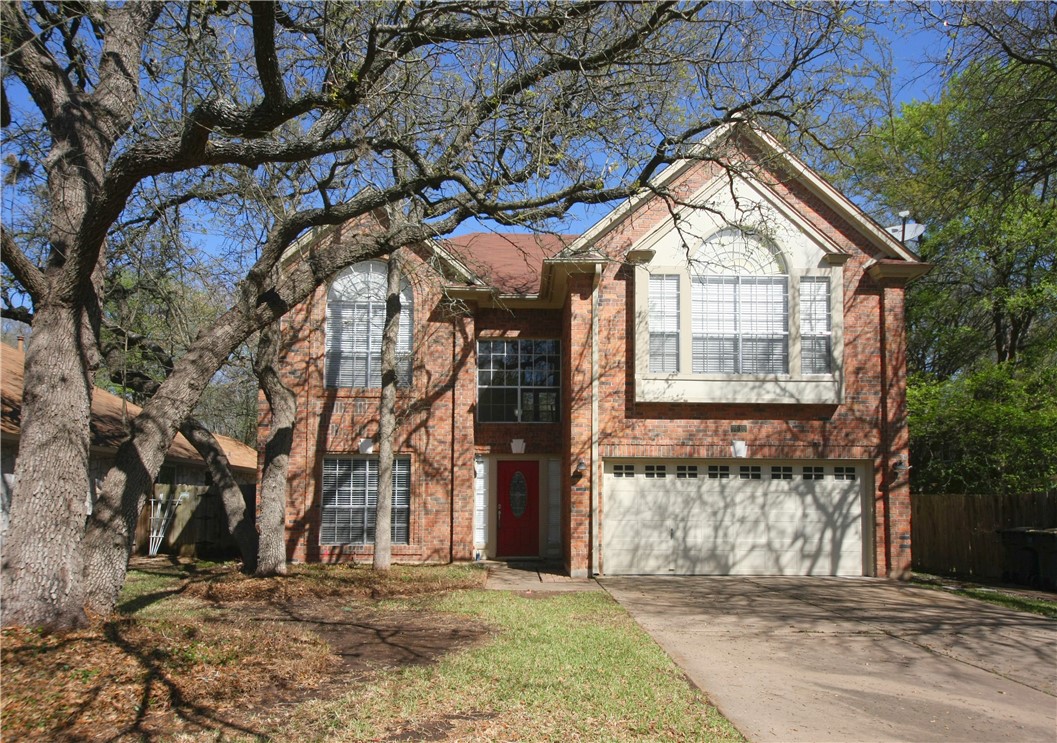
{"points": [[355, 316], [739, 293]]}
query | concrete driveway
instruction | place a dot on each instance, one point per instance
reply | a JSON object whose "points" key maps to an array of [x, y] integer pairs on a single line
{"points": [[853, 659]]}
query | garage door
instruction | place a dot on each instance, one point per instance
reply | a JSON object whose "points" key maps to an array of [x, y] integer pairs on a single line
{"points": [[718, 518]]}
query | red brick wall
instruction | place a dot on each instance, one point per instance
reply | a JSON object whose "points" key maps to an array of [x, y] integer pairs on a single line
{"points": [[540, 438], [436, 418], [874, 383]]}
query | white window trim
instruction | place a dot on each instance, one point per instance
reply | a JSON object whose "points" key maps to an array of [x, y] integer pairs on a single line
{"points": [[403, 460], [685, 386], [371, 343]]}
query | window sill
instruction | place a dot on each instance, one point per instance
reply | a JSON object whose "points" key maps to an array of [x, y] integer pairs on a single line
{"points": [[739, 388]]}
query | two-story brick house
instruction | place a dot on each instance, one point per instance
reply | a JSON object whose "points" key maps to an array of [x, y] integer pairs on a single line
{"points": [[711, 381]]}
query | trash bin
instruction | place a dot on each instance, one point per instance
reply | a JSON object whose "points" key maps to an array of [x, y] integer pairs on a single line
{"points": [[1030, 556]]}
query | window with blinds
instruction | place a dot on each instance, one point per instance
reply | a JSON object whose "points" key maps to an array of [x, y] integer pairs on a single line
{"points": [[740, 324], [350, 497], [355, 319], [816, 347], [664, 323]]}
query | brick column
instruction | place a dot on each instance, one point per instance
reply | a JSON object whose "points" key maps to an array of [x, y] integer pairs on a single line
{"points": [[464, 392], [896, 458], [576, 397]]}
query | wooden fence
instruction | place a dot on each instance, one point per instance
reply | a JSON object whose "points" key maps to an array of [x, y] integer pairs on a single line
{"points": [[959, 534], [199, 524]]}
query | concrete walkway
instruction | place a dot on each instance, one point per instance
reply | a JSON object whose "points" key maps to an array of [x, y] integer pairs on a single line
{"points": [[849, 659], [534, 576]]}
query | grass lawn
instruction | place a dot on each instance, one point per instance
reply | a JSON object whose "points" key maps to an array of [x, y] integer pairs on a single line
{"points": [[571, 666], [1031, 601], [200, 652]]}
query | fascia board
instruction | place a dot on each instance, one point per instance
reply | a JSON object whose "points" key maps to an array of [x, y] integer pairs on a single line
{"points": [[900, 271], [629, 205], [833, 253], [553, 282], [834, 198], [454, 263]]}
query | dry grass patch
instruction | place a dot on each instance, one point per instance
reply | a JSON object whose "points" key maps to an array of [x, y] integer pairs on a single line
{"points": [[202, 652]]}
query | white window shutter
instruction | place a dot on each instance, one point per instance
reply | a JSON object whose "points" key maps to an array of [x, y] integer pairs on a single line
{"points": [[480, 503]]}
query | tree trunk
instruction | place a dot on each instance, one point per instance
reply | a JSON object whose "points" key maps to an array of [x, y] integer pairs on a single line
{"points": [[383, 541], [271, 519], [42, 552], [240, 526], [108, 539]]}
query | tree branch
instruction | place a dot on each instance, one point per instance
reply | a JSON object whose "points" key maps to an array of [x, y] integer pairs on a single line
{"points": [[264, 53], [29, 276], [28, 58]]}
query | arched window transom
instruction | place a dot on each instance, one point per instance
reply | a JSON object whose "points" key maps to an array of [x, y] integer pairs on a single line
{"points": [[739, 295], [355, 318]]}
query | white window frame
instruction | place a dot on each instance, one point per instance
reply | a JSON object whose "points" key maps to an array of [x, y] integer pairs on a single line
{"points": [[348, 500], [792, 386], [355, 319], [732, 315], [664, 323], [816, 325]]}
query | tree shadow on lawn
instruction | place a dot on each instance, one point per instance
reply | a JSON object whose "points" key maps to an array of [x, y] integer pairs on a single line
{"points": [[214, 666]]}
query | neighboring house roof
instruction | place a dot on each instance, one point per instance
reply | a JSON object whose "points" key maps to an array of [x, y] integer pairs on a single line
{"points": [[108, 418], [510, 263]]}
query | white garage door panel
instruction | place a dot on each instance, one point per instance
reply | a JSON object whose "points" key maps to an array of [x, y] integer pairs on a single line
{"points": [[642, 542], [732, 526]]}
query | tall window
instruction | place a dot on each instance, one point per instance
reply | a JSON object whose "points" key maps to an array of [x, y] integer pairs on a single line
{"points": [[740, 308], [350, 497], [816, 348], [664, 323], [355, 317], [518, 381]]}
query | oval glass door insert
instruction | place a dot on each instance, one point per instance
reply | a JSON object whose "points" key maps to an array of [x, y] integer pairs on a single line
{"points": [[518, 495]]}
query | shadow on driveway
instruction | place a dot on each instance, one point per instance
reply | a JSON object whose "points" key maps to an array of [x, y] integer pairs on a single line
{"points": [[853, 659]]}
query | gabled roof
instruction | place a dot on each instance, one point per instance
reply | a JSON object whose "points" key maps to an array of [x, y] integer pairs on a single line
{"points": [[886, 244], [529, 269], [108, 418]]}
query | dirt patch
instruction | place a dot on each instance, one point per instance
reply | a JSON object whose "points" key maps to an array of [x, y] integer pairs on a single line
{"points": [[234, 658], [362, 640]]}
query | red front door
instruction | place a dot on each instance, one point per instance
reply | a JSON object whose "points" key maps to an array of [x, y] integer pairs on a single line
{"points": [[518, 522]]}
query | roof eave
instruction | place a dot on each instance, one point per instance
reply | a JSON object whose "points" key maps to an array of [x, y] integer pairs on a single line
{"points": [[888, 270]]}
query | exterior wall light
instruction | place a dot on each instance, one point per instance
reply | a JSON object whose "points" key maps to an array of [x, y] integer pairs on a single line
{"points": [[581, 467]]}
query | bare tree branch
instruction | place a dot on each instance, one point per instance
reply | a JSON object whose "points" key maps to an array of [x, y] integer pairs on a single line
{"points": [[29, 276]]}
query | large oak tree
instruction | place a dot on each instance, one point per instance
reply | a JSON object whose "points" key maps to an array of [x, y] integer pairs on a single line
{"points": [[368, 113]]}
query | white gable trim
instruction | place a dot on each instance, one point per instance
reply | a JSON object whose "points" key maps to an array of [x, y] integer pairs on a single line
{"points": [[844, 207]]}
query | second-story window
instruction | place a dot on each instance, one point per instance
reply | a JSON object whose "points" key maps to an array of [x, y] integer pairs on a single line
{"points": [[518, 380], [740, 299], [355, 318]]}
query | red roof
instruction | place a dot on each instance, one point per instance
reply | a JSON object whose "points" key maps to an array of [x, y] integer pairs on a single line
{"points": [[511, 263], [108, 417]]}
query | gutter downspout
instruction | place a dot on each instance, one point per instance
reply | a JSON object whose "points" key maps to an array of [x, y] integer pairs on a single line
{"points": [[595, 464]]}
